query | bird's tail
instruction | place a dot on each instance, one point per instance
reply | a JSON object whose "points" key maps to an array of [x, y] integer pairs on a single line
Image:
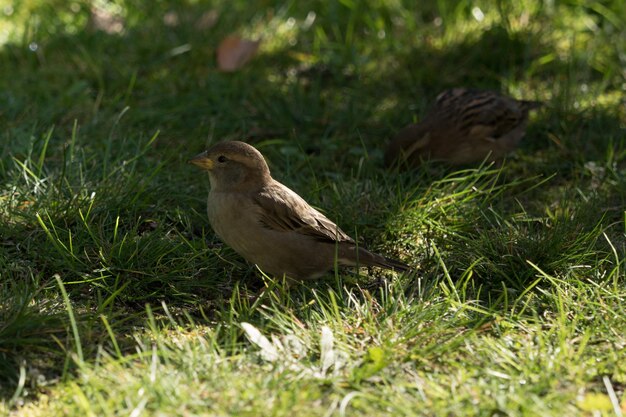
{"points": [[373, 259], [394, 264], [528, 105], [359, 256]]}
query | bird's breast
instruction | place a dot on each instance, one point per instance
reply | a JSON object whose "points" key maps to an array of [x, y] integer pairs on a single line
{"points": [[234, 218]]}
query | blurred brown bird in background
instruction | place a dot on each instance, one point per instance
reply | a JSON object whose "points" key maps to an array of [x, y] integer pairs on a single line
{"points": [[463, 126], [269, 224]]}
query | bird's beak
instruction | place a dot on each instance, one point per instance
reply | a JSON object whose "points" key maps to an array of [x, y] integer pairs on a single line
{"points": [[202, 160]]}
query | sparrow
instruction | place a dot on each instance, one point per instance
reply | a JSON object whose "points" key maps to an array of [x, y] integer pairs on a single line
{"points": [[463, 126], [269, 224]]}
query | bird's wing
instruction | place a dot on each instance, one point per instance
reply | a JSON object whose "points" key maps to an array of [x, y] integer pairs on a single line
{"points": [[483, 114], [283, 210]]}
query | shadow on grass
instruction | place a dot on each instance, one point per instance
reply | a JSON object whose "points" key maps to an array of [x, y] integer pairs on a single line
{"points": [[31, 325]]}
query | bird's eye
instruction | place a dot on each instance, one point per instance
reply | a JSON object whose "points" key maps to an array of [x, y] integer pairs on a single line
{"points": [[221, 159]]}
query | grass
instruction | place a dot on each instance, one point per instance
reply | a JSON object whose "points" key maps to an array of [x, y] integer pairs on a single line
{"points": [[116, 298]]}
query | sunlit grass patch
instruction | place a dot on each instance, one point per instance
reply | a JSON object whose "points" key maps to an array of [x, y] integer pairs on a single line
{"points": [[117, 298]]}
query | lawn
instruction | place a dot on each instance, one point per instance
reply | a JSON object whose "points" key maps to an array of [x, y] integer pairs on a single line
{"points": [[116, 297]]}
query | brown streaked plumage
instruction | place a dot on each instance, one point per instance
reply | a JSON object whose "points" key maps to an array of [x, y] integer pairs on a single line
{"points": [[269, 224], [462, 127]]}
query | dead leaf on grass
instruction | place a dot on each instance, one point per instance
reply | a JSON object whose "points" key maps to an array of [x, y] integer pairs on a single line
{"points": [[171, 19], [207, 20], [105, 21], [234, 52]]}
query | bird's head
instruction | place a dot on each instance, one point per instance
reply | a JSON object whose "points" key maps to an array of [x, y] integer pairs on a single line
{"points": [[233, 166]]}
